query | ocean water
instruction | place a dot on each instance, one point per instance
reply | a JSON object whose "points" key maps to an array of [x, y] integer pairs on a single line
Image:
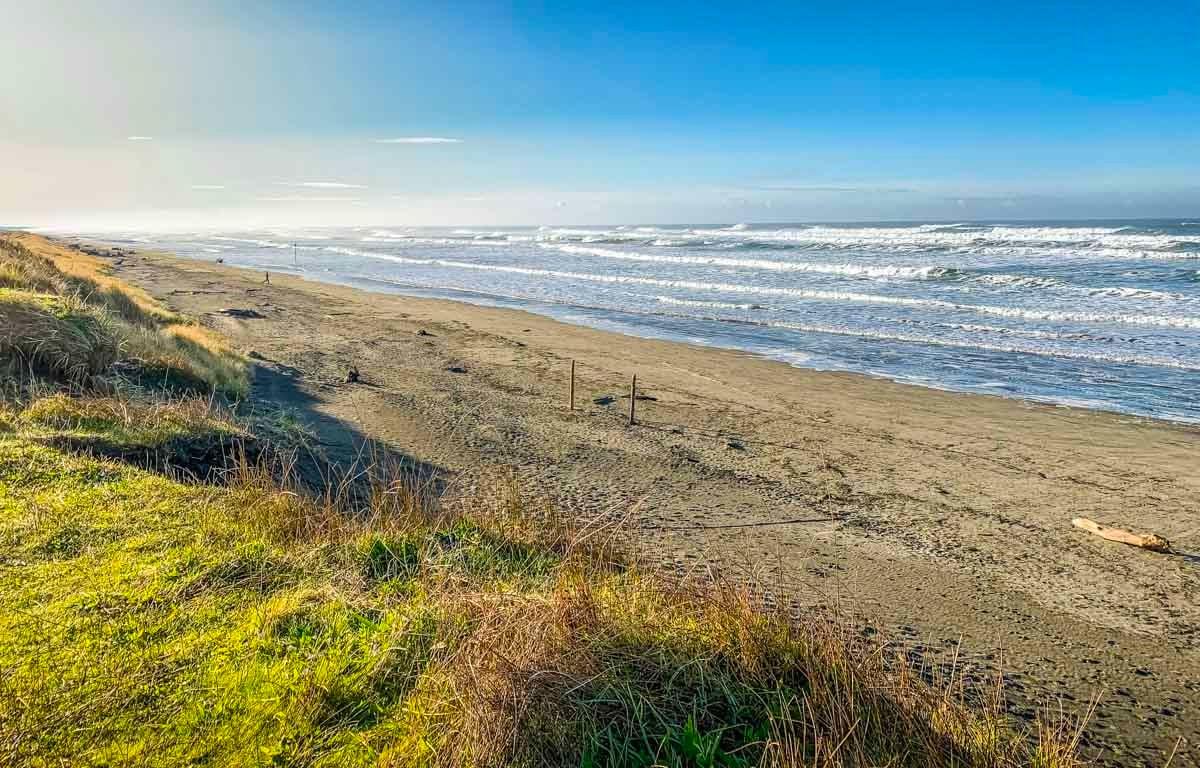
{"points": [[1101, 315]]}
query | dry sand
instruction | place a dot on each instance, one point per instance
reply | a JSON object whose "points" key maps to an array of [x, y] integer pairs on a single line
{"points": [[941, 519]]}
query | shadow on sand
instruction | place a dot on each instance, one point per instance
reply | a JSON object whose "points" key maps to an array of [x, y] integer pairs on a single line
{"points": [[341, 449]]}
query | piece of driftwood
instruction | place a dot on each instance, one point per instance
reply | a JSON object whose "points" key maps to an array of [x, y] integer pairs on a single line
{"points": [[1150, 541]]}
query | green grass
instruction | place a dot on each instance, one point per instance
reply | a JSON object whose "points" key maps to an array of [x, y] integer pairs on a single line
{"points": [[125, 423], [146, 621]]}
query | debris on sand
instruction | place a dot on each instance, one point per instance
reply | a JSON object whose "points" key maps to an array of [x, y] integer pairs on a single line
{"points": [[352, 375], [456, 369], [1150, 541], [242, 314], [735, 445], [604, 400], [424, 332]]}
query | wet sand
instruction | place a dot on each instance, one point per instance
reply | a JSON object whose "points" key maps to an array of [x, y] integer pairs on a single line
{"points": [[941, 519]]}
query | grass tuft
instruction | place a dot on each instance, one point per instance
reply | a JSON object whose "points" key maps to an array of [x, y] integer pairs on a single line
{"points": [[53, 336], [66, 319]]}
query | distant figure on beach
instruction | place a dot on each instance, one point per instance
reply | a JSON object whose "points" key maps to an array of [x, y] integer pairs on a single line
{"points": [[267, 278]]}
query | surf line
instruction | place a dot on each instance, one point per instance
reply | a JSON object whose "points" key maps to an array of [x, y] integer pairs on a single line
{"points": [[799, 293]]}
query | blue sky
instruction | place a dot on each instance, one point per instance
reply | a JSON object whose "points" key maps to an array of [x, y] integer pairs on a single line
{"points": [[609, 112]]}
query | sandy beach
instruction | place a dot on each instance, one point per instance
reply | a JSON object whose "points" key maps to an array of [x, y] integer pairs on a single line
{"points": [[941, 519]]}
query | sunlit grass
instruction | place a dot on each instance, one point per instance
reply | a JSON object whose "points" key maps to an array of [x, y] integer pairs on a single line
{"points": [[146, 621], [65, 318]]}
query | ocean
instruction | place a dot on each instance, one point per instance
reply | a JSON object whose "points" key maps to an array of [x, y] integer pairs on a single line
{"points": [[1102, 315]]}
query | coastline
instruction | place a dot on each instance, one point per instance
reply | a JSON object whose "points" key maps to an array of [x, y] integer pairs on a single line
{"points": [[944, 515], [962, 307], [606, 324]]}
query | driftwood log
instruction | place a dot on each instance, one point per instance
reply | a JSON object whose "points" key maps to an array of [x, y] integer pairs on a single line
{"points": [[1149, 541]]}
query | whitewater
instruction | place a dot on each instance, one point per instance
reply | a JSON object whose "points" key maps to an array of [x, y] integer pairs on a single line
{"points": [[1100, 314]]}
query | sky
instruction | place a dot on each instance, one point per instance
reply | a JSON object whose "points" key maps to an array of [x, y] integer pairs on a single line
{"points": [[163, 114]]}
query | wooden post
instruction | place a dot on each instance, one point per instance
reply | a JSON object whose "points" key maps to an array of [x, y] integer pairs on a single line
{"points": [[572, 385], [632, 398]]}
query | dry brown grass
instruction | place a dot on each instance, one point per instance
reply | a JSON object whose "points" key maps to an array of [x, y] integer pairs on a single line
{"points": [[91, 277], [165, 347], [53, 336], [555, 648], [124, 420]]}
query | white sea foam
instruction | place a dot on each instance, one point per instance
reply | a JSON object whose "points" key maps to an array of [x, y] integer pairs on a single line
{"points": [[1018, 281], [942, 341], [938, 341], [1108, 240], [1050, 243], [762, 264], [1004, 241], [1164, 321], [705, 304], [254, 241], [867, 271], [1133, 292], [1028, 333]]}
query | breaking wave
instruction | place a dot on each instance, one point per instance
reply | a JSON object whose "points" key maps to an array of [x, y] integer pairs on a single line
{"points": [[1164, 321]]}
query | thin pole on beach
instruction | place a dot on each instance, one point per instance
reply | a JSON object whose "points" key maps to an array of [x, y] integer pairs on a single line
{"points": [[295, 263], [572, 385], [632, 398]]}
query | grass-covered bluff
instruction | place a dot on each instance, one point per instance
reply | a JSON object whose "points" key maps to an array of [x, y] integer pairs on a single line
{"points": [[150, 621], [65, 318]]}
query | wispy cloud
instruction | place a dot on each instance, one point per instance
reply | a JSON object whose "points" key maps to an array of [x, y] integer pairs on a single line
{"points": [[208, 186], [1005, 200], [139, 138], [304, 199], [321, 184], [419, 140], [828, 189]]}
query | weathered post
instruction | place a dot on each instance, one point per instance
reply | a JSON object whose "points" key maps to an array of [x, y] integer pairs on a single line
{"points": [[572, 385], [632, 398]]}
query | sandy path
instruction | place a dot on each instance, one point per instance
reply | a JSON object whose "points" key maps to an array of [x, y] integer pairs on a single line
{"points": [[943, 518]]}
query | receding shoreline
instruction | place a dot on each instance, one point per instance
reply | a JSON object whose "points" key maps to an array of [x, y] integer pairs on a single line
{"points": [[944, 517]]}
